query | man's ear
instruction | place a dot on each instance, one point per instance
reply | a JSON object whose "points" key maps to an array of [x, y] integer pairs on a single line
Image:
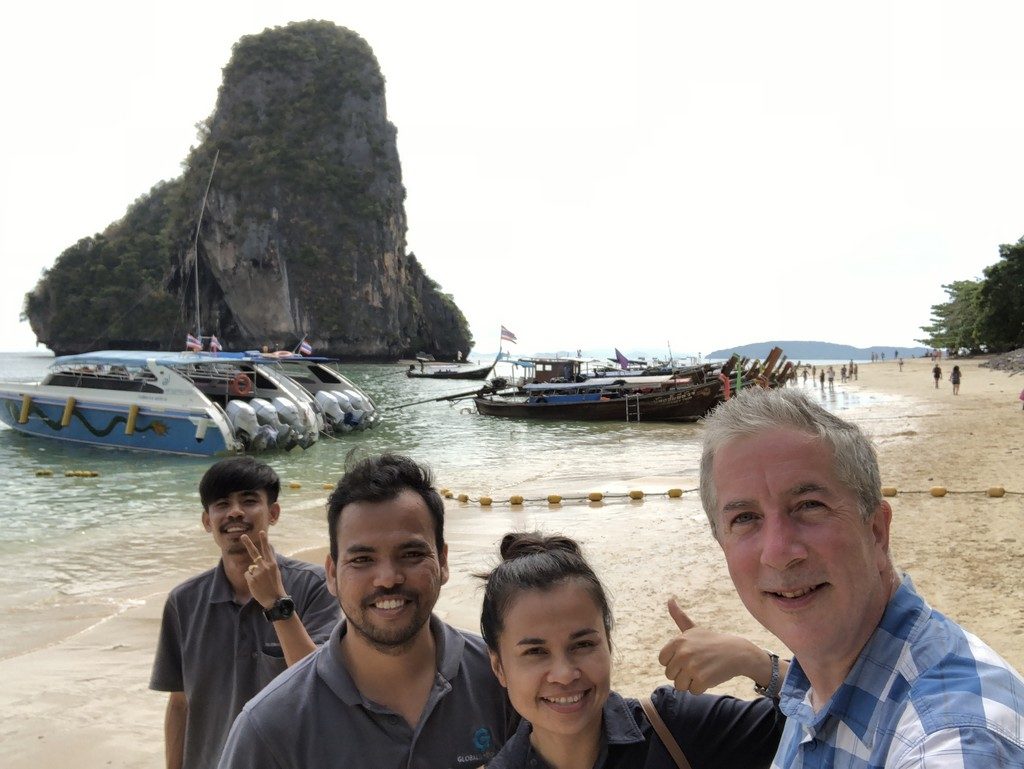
{"points": [[442, 558], [331, 570], [499, 672], [275, 512], [880, 523], [206, 520]]}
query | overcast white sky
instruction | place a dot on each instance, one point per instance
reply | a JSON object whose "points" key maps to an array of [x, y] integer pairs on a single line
{"points": [[588, 174]]}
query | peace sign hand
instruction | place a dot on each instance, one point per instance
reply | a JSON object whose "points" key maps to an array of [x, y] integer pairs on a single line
{"points": [[263, 576]]}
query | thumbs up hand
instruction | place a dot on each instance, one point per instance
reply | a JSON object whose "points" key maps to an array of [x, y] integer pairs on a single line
{"points": [[699, 659]]}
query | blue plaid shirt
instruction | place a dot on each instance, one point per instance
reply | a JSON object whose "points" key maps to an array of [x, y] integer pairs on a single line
{"points": [[923, 694]]}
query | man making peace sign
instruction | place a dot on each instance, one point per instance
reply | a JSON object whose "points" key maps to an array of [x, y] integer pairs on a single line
{"points": [[229, 631]]}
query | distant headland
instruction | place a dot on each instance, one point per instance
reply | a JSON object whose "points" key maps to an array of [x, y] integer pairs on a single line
{"points": [[796, 351]]}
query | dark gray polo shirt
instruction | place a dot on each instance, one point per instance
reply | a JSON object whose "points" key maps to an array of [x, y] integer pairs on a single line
{"points": [[313, 716], [221, 654]]}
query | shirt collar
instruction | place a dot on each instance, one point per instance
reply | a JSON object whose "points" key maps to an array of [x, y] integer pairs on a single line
{"points": [[856, 702], [220, 588], [618, 727], [331, 666]]}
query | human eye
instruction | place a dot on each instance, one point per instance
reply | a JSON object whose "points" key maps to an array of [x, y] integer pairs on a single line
{"points": [[585, 644], [533, 651], [359, 560], [741, 520]]}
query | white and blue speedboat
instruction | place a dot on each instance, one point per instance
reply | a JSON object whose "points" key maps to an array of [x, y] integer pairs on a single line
{"points": [[134, 400]]}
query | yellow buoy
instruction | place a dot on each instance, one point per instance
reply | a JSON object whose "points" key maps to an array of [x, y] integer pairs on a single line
{"points": [[938, 491], [447, 494], [996, 491], [26, 402], [69, 407], [133, 415], [328, 487], [463, 497], [515, 499], [554, 499], [44, 472], [485, 501], [636, 494], [443, 492], [595, 496], [675, 493], [889, 491], [294, 485]]}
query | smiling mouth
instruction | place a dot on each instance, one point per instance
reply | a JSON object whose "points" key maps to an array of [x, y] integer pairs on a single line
{"points": [[793, 595], [567, 703], [236, 528]]}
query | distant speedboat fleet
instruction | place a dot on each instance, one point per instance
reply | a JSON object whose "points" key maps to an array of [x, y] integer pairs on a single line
{"points": [[188, 402]]}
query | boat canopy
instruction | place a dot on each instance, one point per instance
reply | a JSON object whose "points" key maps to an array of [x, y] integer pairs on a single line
{"points": [[139, 358]]}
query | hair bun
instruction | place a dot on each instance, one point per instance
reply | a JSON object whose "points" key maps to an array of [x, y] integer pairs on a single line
{"points": [[523, 543]]}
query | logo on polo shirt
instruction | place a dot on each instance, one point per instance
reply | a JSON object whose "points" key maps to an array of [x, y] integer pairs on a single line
{"points": [[482, 739]]}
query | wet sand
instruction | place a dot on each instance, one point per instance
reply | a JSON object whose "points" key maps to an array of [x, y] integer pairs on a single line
{"points": [[81, 695]]}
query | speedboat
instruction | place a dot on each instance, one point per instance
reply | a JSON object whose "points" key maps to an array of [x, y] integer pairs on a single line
{"points": [[172, 402]]}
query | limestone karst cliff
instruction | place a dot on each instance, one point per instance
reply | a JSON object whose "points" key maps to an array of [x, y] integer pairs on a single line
{"points": [[303, 233]]}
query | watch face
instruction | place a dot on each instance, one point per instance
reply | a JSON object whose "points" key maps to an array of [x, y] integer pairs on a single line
{"points": [[285, 607]]}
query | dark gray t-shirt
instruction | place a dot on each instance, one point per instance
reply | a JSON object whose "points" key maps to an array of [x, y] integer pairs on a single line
{"points": [[221, 654], [313, 716]]}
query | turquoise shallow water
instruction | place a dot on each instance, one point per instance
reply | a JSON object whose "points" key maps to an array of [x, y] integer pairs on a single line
{"points": [[77, 549]]}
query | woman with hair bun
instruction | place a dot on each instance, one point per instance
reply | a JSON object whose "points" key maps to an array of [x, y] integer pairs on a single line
{"points": [[547, 624]]}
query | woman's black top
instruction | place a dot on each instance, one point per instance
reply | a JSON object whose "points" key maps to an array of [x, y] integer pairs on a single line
{"points": [[715, 732]]}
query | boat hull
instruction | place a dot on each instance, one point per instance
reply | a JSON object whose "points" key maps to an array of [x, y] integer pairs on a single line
{"points": [[679, 405], [164, 430], [474, 374]]}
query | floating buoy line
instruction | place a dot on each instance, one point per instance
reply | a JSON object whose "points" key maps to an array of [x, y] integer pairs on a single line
{"points": [[634, 495]]}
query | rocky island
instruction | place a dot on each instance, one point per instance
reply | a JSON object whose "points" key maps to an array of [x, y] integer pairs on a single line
{"points": [[303, 233]]}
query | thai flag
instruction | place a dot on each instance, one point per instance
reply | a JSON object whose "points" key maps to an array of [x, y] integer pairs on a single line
{"points": [[622, 359], [215, 344], [304, 348], [193, 344], [508, 336]]}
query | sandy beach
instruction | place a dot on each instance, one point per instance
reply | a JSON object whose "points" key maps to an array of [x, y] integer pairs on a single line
{"points": [[82, 696]]}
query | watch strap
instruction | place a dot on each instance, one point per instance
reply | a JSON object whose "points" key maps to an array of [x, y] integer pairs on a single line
{"points": [[774, 687]]}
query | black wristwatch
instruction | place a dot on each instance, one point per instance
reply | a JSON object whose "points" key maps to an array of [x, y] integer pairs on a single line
{"points": [[774, 687], [283, 608]]}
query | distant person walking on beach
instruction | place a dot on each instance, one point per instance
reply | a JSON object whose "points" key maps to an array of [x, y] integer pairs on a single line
{"points": [[821, 378], [831, 379], [229, 631], [842, 374], [805, 376], [901, 364], [937, 375], [954, 377]]}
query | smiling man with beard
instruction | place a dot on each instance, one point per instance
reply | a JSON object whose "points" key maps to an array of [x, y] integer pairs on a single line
{"points": [[229, 631], [394, 686]]}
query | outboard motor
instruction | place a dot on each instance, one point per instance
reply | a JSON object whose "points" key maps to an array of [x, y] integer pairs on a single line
{"points": [[334, 416], [247, 428], [291, 416], [358, 409], [267, 415], [348, 421]]}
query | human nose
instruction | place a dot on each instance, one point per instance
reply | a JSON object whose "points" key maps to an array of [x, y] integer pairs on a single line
{"points": [[388, 574], [781, 545], [563, 670]]}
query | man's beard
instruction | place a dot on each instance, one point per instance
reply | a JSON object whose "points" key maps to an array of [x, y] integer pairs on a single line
{"points": [[391, 640]]}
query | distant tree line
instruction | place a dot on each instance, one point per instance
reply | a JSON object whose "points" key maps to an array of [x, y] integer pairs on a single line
{"points": [[984, 315]]}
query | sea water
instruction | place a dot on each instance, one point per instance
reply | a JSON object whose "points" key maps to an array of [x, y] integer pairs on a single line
{"points": [[77, 550]]}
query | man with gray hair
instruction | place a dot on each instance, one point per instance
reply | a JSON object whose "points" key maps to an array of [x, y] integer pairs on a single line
{"points": [[879, 679]]}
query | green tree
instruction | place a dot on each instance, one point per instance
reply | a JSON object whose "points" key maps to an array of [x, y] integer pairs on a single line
{"points": [[956, 323], [1002, 300]]}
